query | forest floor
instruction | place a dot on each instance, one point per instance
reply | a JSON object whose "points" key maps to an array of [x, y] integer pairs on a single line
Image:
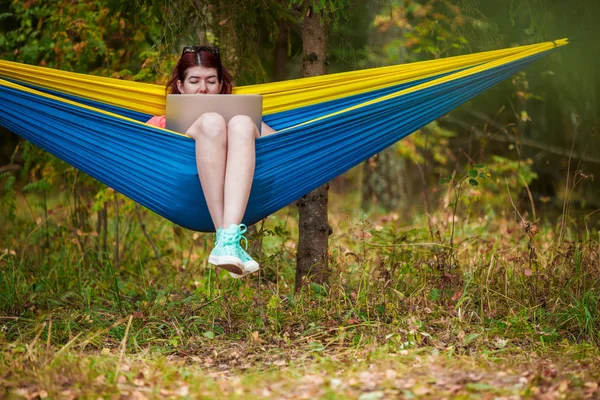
{"points": [[492, 307], [262, 368]]}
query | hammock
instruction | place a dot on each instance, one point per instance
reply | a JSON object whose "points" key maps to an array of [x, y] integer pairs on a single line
{"points": [[325, 125]]}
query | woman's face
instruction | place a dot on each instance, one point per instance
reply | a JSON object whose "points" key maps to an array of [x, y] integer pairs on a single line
{"points": [[200, 80]]}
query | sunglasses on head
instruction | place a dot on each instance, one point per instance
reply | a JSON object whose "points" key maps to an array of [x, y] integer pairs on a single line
{"points": [[197, 49]]}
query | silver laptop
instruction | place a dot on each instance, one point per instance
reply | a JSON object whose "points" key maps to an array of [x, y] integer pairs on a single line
{"points": [[184, 109]]}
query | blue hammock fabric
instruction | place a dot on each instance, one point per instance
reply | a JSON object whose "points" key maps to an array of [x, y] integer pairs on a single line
{"points": [[158, 170]]}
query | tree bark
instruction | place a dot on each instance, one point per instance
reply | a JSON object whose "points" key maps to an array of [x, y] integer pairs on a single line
{"points": [[312, 258], [281, 52]]}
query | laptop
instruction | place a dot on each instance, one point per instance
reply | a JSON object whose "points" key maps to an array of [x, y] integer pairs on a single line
{"points": [[184, 109]]}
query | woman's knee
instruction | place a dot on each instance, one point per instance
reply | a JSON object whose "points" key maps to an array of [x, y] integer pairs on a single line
{"points": [[211, 125], [241, 124]]}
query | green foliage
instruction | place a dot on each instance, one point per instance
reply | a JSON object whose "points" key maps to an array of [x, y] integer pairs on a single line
{"points": [[88, 37], [82, 36], [417, 30], [409, 31], [556, 102], [332, 11], [430, 144]]}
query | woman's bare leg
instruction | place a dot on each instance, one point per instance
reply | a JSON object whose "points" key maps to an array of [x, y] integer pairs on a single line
{"points": [[210, 133], [241, 160]]}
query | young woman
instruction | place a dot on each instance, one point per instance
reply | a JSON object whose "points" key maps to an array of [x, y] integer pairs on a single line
{"points": [[225, 155]]}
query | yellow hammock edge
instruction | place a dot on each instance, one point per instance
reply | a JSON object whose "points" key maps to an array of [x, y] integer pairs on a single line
{"points": [[74, 103], [278, 96], [539, 49]]}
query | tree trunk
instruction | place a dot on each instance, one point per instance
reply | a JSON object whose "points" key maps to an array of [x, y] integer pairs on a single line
{"points": [[311, 258], [281, 52]]}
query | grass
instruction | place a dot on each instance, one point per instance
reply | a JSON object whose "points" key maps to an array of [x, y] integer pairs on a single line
{"points": [[506, 311]]}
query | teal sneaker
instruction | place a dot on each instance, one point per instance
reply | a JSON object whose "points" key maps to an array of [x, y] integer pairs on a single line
{"points": [[226, 254], [250, 265]]}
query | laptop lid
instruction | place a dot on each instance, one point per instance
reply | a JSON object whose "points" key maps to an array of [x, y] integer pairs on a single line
{"points": [[184, 109]]}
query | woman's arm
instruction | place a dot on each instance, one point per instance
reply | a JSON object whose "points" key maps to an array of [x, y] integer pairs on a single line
{"points": [[159, 121]]}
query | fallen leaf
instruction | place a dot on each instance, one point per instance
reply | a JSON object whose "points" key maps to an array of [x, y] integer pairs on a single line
{"points": [[590, 387], [256, 338], [68, 395], [183, 390], [335, 383], [457, 295], [563, 386], [139, 382], [422, 391]]}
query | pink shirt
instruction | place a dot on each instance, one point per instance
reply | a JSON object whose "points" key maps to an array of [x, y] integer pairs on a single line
{"points": [[159, 121]]}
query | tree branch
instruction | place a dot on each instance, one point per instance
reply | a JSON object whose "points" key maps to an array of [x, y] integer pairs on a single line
{"points": [[10, 167], [508, 138]]}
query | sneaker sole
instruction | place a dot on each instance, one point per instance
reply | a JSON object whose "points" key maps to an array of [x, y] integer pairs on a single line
{"points": [[253, 267], [228, 263]]}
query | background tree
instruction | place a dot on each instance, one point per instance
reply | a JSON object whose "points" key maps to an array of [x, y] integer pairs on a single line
{"points": [[312, 259]]}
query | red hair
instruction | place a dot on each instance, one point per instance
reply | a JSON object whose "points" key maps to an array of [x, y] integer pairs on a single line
{"points": [[204, 59]]}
